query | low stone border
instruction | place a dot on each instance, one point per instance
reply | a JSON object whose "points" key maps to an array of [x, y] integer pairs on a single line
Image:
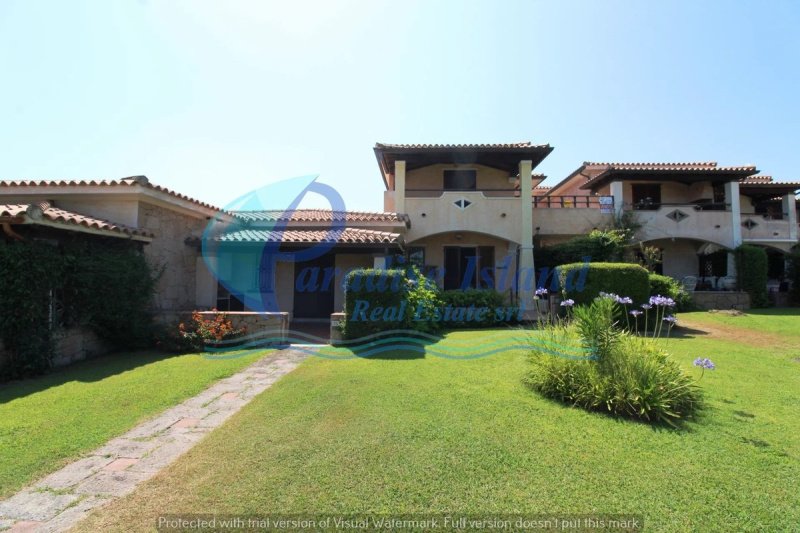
{"points": [[58, 501]]}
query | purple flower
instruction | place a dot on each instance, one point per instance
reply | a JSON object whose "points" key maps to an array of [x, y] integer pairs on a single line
{"points": [[647, 307], [662, 301], [636, 312], [541, 291], [671, 319], [568, 303], [608, 295], [705, 364], [624, 300]]}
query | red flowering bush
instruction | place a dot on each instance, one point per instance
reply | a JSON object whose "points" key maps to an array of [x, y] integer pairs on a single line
{"points": [[202, 331]]}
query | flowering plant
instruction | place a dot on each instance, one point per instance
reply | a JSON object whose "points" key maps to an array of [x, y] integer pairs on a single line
{"points": [[201, 330]]}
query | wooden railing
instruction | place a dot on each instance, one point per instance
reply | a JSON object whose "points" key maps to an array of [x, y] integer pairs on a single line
{"points": [[571, 201]]}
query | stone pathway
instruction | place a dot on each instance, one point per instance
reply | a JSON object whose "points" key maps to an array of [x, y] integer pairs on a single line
{"points": [[58, 501]]}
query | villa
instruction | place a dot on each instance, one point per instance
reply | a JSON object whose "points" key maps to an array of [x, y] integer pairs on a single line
{"points": [[473, 213]]}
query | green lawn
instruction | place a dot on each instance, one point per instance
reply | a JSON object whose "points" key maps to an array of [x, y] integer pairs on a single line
{"points": [[426, 434], [48, 421]]}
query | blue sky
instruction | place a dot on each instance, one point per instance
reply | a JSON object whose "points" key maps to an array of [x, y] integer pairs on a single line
{"points": [[215, 99]]}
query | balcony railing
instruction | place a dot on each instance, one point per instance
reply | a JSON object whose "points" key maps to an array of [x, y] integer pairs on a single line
{"points": [[575, 201], [651, 205], [572, 201]]}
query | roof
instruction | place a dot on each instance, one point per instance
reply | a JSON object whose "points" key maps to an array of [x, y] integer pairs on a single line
{"points": [[503, 156], [765, 186], [680, 172], [339, 236], [45, 214], [318, 215], [132, 182]]}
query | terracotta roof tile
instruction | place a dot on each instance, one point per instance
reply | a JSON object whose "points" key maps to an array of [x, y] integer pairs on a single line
{"points": [[31, 213], [501, 146], [345, 235], [317, 215], [132, 181], [641, 166]]}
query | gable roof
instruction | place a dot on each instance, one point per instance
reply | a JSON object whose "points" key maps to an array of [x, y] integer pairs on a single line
{"points": [[503, 156], [132, 184], [339, 236], [45, 214], [317, 215]]}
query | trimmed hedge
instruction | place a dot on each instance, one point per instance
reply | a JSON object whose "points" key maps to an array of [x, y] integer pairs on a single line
{"points": [[490, 301], [667, 286], [378, 300], [751, 271], [794, 275], [583, 282]]}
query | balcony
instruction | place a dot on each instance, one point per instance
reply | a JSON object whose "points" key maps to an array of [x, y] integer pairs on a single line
{"points": [[701, 221], [764, 228]]}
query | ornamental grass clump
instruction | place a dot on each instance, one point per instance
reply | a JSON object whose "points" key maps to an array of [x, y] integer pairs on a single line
{"points": [[618, 373]]}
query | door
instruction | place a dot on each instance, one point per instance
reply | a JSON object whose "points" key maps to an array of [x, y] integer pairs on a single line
{"points": [[313, 297]]}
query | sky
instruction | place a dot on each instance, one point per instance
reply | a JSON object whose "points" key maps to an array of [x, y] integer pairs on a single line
{"points": [[215, 99]]}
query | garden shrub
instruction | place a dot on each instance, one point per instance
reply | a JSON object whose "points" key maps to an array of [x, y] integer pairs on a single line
{"points": [[794, 275], [485, 299], [583, 282], [627, 376], [599, 246], [202, 331], [104, 285], [672, 288], [379, 300], [751, 269]]}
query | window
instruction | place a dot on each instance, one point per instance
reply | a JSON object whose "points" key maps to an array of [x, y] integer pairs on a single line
{"points": [[227, 301], [714, 265], [646, 196], [468, 267], [416, 256], [460, 180]]}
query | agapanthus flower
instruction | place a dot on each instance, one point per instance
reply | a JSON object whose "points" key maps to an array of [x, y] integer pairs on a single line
{"points": [[704, 363], [568, 303], [636, 312], [662, 301], [541, 291], [624, 300], [671, 319], [647, 307], [608, 295]]}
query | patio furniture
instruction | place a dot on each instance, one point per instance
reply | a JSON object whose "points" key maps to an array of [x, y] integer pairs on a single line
{"points": [[689, 283]]}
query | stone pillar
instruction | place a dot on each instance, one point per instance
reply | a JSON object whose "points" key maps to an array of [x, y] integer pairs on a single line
{"points": [[400, 186], [790, 208], [616, 192], [732, 200], [525, 274]]}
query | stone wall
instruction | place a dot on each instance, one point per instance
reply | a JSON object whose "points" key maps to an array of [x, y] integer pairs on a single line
{"points": [[721, 300], [76, 344], [176, 290], [70, 345], [259, 325]]}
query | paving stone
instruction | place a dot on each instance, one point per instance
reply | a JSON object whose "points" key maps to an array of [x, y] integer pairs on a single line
{"points": [[116, 468], [186, 423], [35, 505], [166, 454], [73, 514], [73, 473], [118, 465], [118, 484], [122, 447], [24, 526]]}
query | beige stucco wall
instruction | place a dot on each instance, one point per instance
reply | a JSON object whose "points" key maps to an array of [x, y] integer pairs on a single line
{"points": [[432, 177], [434, 250], [679, 257], [700, 225]]}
